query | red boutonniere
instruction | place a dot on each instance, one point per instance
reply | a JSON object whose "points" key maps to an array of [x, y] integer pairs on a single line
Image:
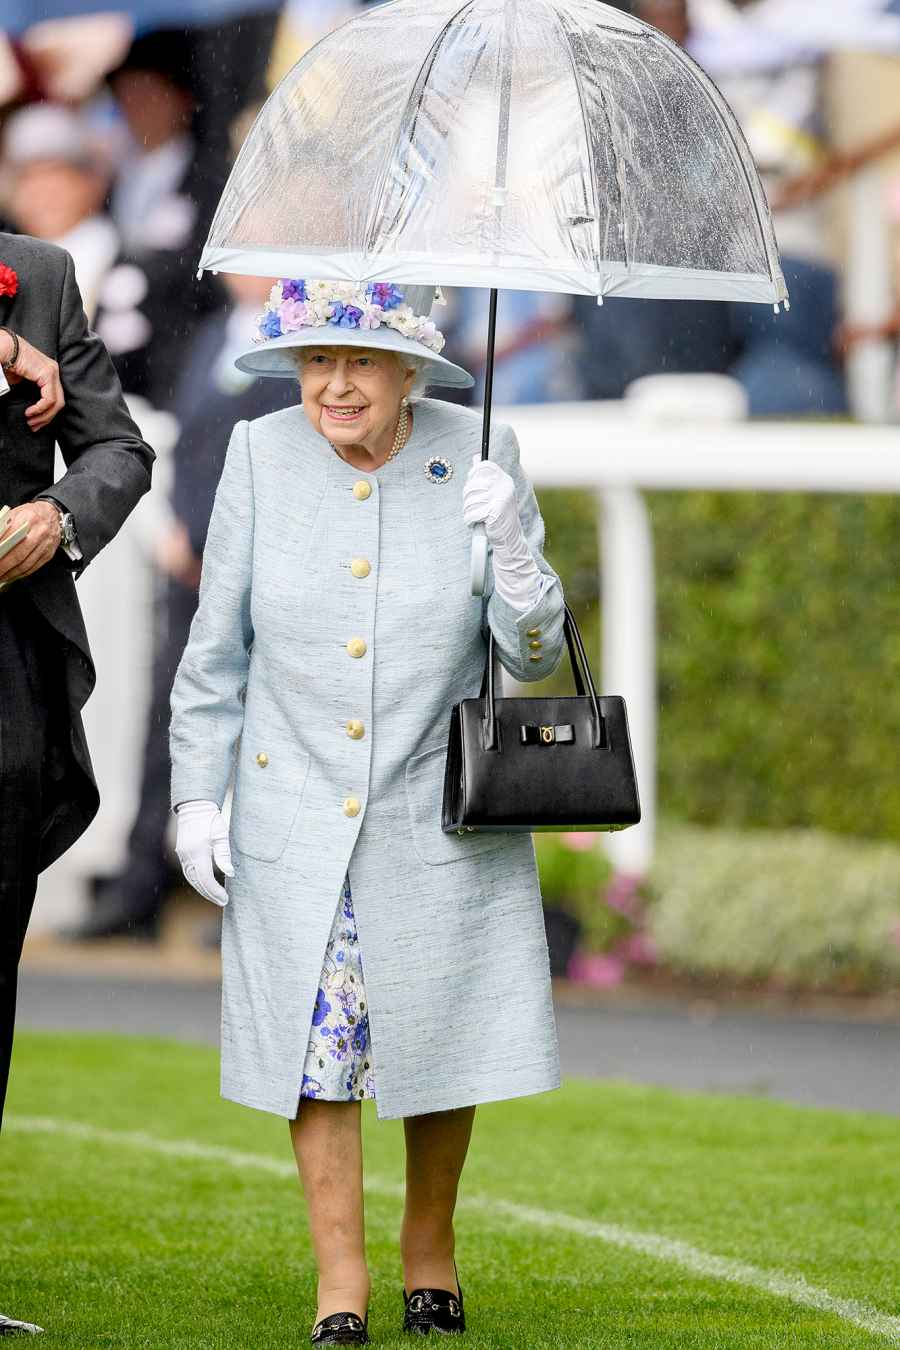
{"points": [[9, 281]]}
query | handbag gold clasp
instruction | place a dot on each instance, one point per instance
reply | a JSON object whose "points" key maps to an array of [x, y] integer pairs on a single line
{"points": [[547, 735]]}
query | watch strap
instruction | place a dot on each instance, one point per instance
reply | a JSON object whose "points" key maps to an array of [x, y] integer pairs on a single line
{"points": [[68, 533]]}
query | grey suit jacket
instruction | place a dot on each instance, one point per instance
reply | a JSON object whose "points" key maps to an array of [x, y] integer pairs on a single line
{"points": [[108, 470]]}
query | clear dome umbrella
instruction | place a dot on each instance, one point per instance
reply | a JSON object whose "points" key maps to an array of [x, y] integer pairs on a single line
{"points": [[555, 145]]}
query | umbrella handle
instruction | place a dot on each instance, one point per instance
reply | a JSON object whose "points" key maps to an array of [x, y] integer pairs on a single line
{"points": [[479, 558]]}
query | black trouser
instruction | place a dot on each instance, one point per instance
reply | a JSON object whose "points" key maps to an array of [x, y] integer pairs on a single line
{"points": [[32, 714], [142, 881]]}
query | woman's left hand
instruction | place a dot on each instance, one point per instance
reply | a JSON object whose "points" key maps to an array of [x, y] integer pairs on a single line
{"points": [[489, 496]]}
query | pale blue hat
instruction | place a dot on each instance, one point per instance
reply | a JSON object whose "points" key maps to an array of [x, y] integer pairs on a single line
{"points": [[272, 357]]}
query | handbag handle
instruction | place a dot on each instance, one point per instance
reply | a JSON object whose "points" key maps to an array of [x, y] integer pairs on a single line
{"points": [[581, 671]]}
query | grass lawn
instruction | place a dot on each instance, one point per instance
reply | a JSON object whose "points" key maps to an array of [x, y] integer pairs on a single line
{"points": [[572, 1207]]}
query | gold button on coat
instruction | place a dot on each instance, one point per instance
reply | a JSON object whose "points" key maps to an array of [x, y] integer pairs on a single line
{"points": [[362, 490], [262, 759], [351, 806], [355, 729], [356, 647], [535, 658], [534, 632], [360, 567], [536, 644]]}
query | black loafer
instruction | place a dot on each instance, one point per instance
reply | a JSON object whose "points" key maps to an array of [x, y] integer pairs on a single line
{"points": [[343, 1328], [437, 1310], [9, 1327]]}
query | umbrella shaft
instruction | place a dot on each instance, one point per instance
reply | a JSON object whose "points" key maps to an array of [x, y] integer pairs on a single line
{"points": [[489, 376]]}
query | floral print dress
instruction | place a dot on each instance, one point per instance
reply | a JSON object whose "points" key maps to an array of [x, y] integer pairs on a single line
{"points": [[338, 1065]]}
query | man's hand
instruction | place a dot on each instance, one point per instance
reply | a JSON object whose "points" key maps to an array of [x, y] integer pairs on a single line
{"points": [[38, 546], [33, 365]]}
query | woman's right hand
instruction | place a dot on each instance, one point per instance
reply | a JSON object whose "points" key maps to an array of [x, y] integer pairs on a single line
{"points": [[202, 840]]}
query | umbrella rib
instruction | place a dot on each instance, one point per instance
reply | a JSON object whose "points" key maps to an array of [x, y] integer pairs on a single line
{"points": [[736, 136], [590, 145], [409, 146], [426, 66]]}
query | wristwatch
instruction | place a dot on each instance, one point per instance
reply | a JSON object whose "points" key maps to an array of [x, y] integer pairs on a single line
{"points": [[68, 535]]}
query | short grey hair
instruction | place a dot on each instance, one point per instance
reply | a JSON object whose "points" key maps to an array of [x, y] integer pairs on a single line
{"points": [[420, 365]]}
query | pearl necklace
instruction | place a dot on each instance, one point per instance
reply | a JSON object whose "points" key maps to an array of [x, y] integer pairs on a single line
{"points": [[399, 436]]}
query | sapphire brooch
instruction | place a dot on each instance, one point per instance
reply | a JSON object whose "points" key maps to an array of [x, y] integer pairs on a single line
{"points": [[438, 470]]}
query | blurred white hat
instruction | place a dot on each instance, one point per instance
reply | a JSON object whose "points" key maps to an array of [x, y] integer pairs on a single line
{"points": [[49, 131]]}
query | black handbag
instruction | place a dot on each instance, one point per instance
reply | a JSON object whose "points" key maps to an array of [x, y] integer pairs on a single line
{"points": [[530, 764]]}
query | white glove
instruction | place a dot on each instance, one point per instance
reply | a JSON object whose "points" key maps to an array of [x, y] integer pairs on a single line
{"points": [[489, 495], [201, 841]]}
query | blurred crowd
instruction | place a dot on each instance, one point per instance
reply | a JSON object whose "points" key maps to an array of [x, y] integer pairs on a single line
{"points": [[118, 131]]}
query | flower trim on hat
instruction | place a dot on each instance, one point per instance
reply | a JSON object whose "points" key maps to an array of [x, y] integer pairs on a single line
{"points": [[293, 305]]}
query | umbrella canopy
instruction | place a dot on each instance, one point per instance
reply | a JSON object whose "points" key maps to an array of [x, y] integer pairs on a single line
{"points": [[554, 145]]}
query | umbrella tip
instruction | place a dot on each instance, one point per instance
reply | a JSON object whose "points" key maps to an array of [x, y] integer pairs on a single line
{"points": [[599, 299]]}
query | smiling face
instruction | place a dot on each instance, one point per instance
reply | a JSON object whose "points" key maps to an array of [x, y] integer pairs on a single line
{"points": [[351, 395]]}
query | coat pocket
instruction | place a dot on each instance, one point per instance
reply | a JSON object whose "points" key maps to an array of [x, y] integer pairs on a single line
{"points": [[424, 797], [267, 794]]}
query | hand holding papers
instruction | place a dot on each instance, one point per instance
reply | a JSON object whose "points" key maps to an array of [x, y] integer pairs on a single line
{"points": [[9, 541]]}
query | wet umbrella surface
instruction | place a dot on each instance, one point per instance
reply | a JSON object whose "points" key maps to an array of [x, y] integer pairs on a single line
{"points": [[540, 144], [554, 145]]}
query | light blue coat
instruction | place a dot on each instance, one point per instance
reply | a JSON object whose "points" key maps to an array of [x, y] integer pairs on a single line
{"points": [[450, 928]]}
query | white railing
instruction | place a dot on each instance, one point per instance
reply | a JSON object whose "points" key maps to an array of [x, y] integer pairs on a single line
{"points": [[613, 450], [870, 297]]}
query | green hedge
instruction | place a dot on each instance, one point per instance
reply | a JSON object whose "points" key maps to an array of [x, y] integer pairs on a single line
{"points": [[796, 908], [575, 879], [779, 652]]}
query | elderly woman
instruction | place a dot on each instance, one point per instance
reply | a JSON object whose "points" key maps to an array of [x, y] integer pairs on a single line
{"points": [[365, 952]]}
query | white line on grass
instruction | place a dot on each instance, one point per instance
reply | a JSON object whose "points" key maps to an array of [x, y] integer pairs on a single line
{"points": [[775, 1282]]}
